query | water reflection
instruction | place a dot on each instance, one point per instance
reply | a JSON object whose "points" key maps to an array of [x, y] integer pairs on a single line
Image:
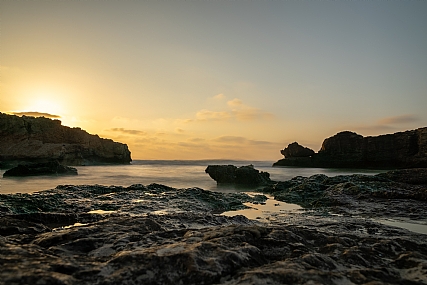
{"points": [[265, 210]]}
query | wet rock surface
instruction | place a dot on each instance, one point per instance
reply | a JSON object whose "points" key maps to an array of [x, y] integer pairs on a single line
{"points": [[364, 195], [92, 234], [34, 169]]}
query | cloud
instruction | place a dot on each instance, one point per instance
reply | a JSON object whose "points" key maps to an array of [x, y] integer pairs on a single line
{"points": [[127, 131], [252, 114], [235, 103], [403, 119], [206, 115], [230, 139], [180, 131], [37, 114], [219, 96], [385, 125], [240, 140], [239, 111]]}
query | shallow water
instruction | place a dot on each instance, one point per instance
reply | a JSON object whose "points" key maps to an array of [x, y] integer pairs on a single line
{"points": [[174, 173], [411, 226], [265, 210]]}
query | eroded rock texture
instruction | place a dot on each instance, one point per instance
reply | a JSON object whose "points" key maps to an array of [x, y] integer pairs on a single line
{"points": [[347, 149], [29, 139], [296, 150], [244, 175], [92, 234]]}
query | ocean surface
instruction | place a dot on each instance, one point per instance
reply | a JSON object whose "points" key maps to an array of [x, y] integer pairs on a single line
{"points": [[174, 173]]}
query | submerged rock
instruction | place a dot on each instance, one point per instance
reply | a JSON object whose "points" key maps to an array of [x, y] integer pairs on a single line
{"points": [[47, 168], [244, 175]]}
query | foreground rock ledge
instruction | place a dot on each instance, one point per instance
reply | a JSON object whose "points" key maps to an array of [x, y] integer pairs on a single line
{"points": [[160, 235]]}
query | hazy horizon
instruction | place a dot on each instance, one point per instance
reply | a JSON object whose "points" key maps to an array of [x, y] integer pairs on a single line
{"points": [[216, 79]]}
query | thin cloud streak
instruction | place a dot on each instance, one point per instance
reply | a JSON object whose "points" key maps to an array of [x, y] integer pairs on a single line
{"points": [[127, 131], [403, 119], [388, 124], [37, 114]]}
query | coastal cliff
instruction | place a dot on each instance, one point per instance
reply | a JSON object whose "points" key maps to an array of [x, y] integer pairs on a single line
{"points": [[351, 150], [30, 139]]}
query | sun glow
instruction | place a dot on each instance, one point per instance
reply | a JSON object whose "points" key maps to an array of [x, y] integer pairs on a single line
{"points": [[43, 102]]}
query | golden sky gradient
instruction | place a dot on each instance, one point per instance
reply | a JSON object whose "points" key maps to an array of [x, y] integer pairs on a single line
{"points": [[216, 79]]}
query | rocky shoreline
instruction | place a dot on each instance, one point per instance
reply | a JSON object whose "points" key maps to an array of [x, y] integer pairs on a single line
{"points": [[350, 150], [28, 139], [155, 234]]}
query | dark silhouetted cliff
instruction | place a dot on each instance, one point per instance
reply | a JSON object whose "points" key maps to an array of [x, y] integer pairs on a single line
{"points": [[32, 139], [350, 150]]}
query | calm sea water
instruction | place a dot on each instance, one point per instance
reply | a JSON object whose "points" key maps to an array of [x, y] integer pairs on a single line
{"points": [[174, 173]]}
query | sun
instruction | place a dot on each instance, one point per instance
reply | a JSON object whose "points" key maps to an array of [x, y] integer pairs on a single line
{"points": [[46, 106], [43, 102]]}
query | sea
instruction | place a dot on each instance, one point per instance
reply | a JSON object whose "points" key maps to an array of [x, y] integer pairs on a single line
{"points": [[173, 173], [184, 174]]}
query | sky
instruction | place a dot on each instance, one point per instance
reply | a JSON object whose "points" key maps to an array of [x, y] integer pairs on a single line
{"points": [[216, 79]]}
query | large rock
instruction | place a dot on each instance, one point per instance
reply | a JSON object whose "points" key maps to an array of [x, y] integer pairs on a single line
{"points": [[348, 149], [296, 150], [29, 139], [41, 168], [244, 175]]}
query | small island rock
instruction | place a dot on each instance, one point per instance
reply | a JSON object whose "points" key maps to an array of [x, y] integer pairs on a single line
{"points": [[244, 175], [46, 168]]}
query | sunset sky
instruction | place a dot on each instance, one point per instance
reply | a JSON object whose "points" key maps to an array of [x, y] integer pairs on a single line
{"points": [[216, 79]]}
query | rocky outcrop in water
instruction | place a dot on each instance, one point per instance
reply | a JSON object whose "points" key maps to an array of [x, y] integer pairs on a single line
{"points": [[47, 168], [244, 175], [350, 150], [29, 139], [160, 235], [296, 150]]}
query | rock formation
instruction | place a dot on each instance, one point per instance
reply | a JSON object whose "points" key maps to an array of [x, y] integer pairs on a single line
{"points": [[296, 150], [160, 235], [350, 150], [29, 139], [41, 168], [244, 175]]}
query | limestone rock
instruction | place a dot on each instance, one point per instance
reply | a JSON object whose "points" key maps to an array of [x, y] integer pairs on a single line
{"points": [[348, 149], [244, 175], [296, 150], [162, 235], [29, 139]]}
